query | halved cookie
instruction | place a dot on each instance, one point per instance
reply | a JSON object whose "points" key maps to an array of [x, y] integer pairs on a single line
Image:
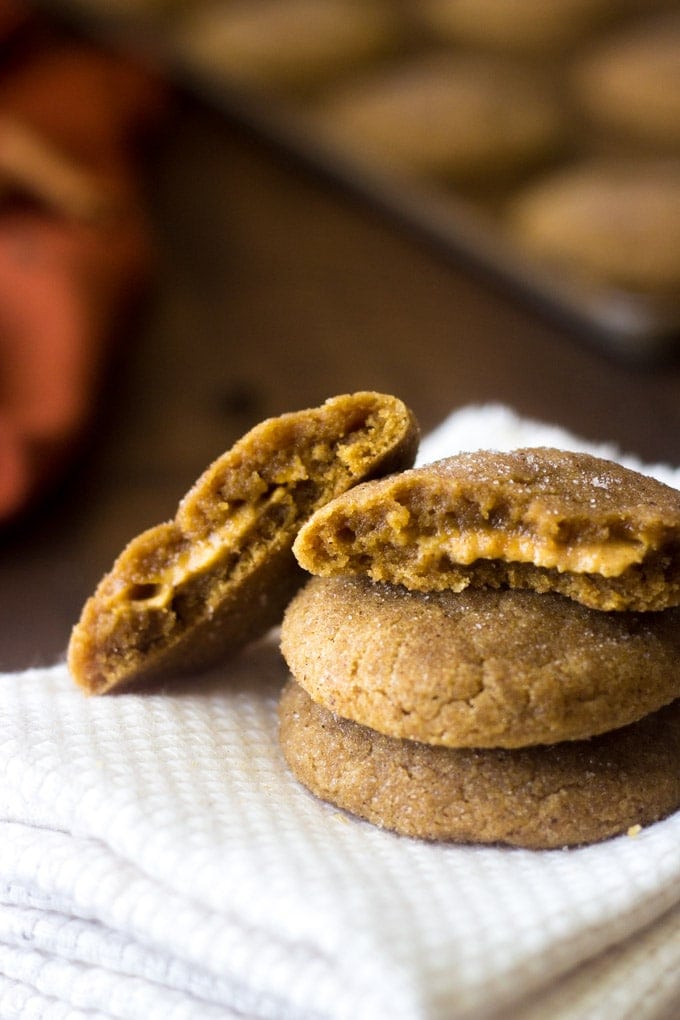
{"points": [[478, 668], [187, 592], [540, 798], [545, 519]]}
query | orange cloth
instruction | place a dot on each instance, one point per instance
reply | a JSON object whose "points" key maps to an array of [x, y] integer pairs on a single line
{"points": [[74, 243]]}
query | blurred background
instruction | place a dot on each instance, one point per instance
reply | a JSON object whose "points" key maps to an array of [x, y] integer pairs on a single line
{"points": [[213, 212]]}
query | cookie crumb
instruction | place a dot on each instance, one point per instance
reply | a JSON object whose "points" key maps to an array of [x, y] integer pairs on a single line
{"points": [[634, 830]]}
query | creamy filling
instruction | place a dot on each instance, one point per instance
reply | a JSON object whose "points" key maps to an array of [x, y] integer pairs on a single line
{"points": [[608, 559]]}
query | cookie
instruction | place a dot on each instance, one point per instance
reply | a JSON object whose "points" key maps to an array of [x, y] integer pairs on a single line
{"points": [[447, 117], [187, 592], [294, 46], [545, 519], [630, 84], [539, 798], [523, 26], [613, 223], [478, 668]]}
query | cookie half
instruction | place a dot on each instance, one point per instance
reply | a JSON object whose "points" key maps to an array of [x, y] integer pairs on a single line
{"points": [[187, 592], [479, 668], [545, 519], [539, 798]]}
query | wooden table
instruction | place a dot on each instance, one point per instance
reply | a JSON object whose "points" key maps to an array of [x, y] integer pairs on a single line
{"points": [[274, 291]]}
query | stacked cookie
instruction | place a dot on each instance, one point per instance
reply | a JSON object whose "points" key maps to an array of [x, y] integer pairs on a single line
{"points": [[490, 650]]}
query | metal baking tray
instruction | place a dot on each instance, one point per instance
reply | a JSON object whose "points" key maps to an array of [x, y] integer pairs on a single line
{"points": [[630, 326]]}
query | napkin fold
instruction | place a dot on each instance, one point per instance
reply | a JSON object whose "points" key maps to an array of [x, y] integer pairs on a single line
{"points": [[158, 861]]}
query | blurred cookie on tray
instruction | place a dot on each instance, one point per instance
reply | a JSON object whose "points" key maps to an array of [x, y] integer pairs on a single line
{"points": [[473, 118], [629, 84], [297, 45], [523, 26], [445, 116], [615, 222]]}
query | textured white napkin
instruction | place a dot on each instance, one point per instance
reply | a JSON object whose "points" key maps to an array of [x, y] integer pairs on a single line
{"points": [[158, 862]]}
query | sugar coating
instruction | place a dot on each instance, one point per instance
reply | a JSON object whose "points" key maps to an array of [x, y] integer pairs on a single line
{"points": [[538, 518], [478, 668], [187, 592], [540, 798]]}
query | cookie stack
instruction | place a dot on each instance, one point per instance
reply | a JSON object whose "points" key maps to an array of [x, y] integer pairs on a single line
{"points": [[490, 650]]}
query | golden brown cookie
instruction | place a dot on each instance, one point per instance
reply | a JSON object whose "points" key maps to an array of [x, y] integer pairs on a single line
{"points": [[541, 797], [630, 83], [523, 26], [186, 592], [545, 519], [478, 668], [612, 222], [297, 45], [449, 117]]}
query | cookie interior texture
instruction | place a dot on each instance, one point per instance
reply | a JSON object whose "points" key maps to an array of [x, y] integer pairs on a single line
{"points": [[478, 668], [538, 518], [187, 592], [540, 798]]}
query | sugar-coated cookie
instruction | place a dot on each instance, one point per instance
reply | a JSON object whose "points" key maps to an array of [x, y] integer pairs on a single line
{"points": [[186, 592], [478, 668], [613, 222], [540, 797], [448, 117], [539, 518]]}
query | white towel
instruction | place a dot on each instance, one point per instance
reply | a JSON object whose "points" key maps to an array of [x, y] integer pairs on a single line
{"points": [[159, 862]]}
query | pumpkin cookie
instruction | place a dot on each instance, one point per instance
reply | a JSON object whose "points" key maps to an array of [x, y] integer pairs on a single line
{"points": [[544, 519], [540, 797], [630, 83], [612, 222], [186, 592], [295, 46], [478, 668], [454, 118], [523, 26]]}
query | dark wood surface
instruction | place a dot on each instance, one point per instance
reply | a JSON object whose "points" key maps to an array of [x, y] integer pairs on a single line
{"points": [[274, 291]]}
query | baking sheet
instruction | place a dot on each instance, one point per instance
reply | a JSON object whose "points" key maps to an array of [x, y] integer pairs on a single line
{"points": [[629, 325]]}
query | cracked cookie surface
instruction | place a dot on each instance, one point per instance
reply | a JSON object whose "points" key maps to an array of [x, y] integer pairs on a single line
{"points": [[540, 797], [478, 668], [187, 592], [537, 518]]}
